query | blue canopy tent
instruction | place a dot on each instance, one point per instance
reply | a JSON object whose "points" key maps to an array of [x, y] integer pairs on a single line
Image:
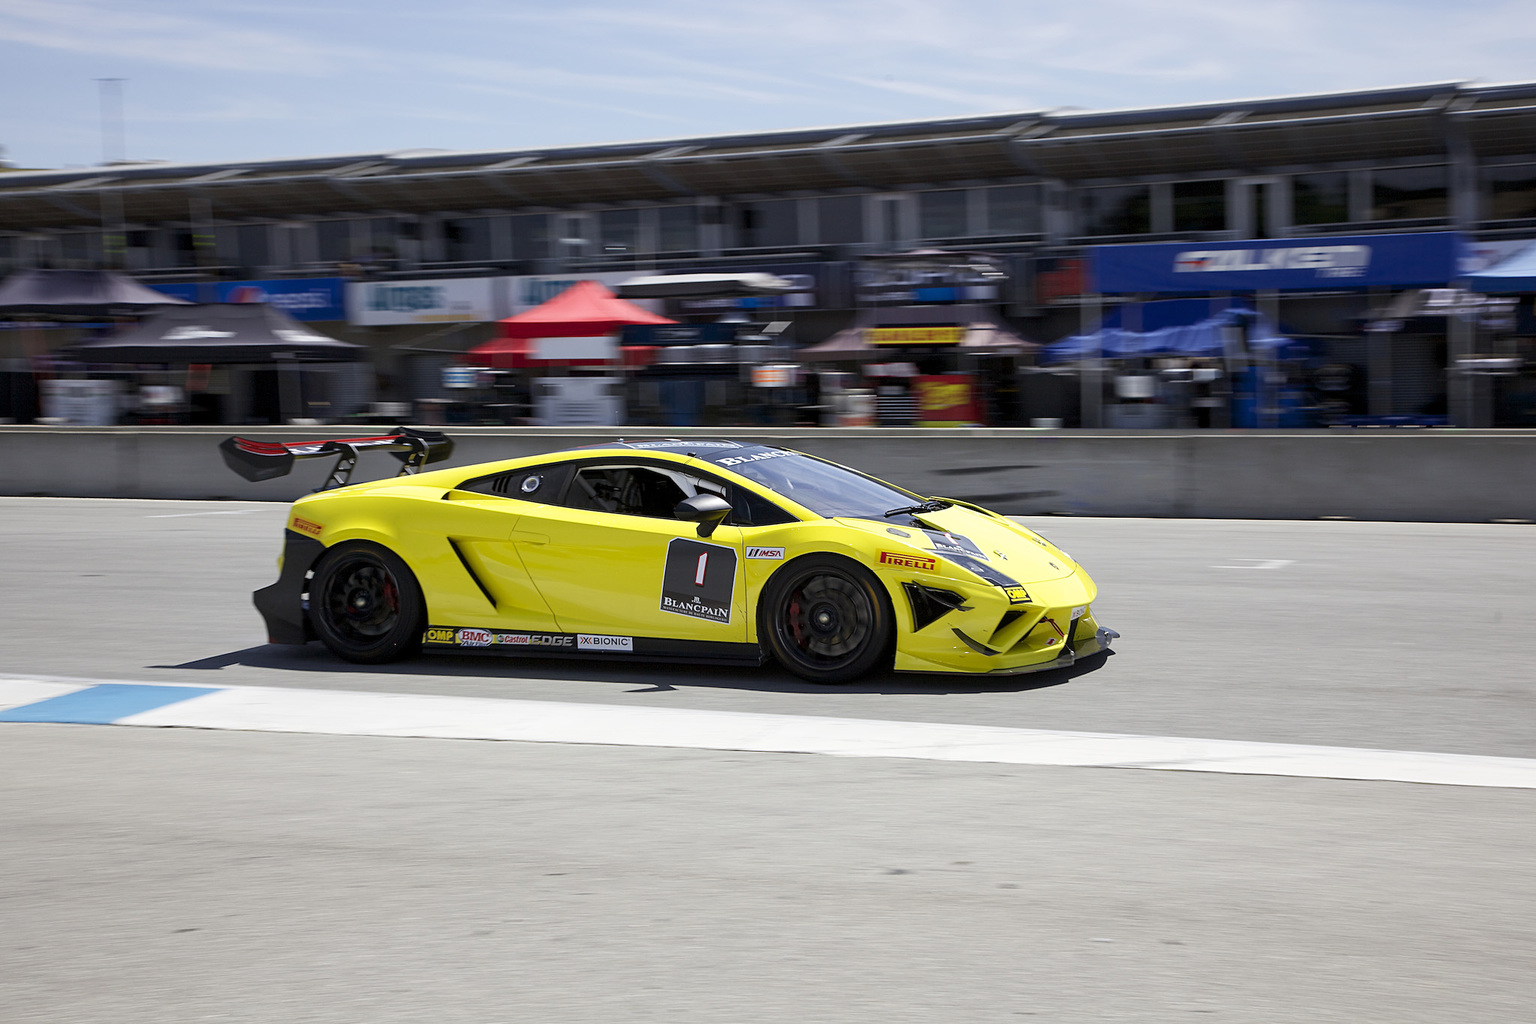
{"points": [[1176, 327], [1515, 274]]}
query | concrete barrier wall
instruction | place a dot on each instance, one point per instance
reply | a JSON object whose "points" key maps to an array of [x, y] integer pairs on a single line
{"points": [[1426, 476]]}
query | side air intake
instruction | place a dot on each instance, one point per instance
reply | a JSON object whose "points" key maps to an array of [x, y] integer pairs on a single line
{"points": [[929, 604]]}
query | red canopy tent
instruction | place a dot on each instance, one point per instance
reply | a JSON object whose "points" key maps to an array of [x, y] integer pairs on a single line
{"points": [[584, 310]]}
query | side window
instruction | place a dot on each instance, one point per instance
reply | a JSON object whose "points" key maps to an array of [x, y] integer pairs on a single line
{"points": [[542, 483], [625, 490], [747, 507]]}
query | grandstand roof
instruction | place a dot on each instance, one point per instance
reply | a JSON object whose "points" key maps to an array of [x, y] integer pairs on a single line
{"points": [[1244, 136]]}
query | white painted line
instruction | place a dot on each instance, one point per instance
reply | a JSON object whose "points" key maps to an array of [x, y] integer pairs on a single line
{"points": [[331, 712], [188, 515], [14, 693], [1258, 563]]}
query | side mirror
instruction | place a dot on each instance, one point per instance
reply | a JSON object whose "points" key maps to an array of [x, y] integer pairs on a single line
{"points": [[705, 509]]}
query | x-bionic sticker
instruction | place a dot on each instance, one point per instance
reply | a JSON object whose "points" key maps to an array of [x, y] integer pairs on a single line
{"points": [[699, 580]]}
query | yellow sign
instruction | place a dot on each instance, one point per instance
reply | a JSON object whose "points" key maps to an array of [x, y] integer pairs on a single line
{"points": [[914, 335]]}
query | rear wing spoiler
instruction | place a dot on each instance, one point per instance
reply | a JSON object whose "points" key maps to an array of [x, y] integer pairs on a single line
{"points": [[267, 460]]}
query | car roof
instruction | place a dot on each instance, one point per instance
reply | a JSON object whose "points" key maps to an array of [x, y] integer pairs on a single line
{"points": [[710, 450]]}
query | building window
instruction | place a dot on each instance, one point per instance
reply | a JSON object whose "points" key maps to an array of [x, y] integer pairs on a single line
{"points": [[1199, 206], [1321, 198], [467, 240], [334, 237], [1409, 193], [1511, 191], [768, 225], [943, 214], [1117, 210], [1013, 210], [619, 231], [677, 228], [840, 220], [572, 234], [530, 236]]}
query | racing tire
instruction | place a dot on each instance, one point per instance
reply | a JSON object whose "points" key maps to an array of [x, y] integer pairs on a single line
{"points": [[365, 604], [826, 619]]}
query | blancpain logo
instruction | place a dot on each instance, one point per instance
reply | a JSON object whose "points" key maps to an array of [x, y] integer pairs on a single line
{"points": [[1327, 260]]}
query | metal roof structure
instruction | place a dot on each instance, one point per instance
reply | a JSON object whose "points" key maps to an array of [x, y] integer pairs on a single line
{"points": [[1428, 121]]}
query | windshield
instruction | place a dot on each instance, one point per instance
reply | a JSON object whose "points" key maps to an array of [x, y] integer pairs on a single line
{"points": [[823, 487]]}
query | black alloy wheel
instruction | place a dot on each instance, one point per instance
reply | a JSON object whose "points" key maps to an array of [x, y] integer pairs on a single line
{"points": [[826, 619], [365, 604]]}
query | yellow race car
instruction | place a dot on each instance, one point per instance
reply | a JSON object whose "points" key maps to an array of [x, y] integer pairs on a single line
{"points": [[665, 550]]}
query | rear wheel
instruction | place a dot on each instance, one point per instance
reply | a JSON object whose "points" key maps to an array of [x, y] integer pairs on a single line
{"points": [[826, 619], [365, 604]]}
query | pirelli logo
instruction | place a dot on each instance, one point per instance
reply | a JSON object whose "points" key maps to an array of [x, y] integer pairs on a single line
{"points": [[909, 561], [305, 526]]}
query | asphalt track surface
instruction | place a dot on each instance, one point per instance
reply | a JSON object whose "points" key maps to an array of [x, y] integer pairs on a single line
{"points": [[155, 875]]}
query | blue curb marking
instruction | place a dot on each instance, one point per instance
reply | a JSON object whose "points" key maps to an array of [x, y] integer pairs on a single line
{"points": [[103, 704]]}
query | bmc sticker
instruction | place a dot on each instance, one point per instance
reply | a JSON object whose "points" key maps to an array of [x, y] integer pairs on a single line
{"points": [[909, 561], [1016, 595], [699, 580], [474, 638], [305, 526], [594, 642], [770, 554]]}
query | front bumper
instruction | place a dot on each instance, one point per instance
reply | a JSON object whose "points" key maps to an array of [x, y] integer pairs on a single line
{"points": [[1069, 656]]}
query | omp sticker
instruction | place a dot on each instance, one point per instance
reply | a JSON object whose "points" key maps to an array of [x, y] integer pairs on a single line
{"points": [[922, 562], [597, 642], [438, 635], [770, 554], [305, 526], [1016, 595], [474, 638], [698, 580]]}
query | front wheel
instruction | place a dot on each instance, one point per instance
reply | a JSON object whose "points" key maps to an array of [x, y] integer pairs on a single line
{"points": [[826, 619], [365, 604]]}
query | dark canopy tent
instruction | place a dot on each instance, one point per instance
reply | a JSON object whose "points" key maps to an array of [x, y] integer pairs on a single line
{"points": [[218, 333], [79, 293]]}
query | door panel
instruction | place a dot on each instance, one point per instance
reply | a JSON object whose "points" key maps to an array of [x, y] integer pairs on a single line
{"points": [[492, 587], [605, 572]]}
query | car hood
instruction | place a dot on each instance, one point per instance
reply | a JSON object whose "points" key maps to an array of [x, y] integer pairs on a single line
{"points": [[975, 540]]}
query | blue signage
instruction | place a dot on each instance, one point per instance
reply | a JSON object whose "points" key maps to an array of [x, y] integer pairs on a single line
{"points": [[1286, 264], [303, 298]]}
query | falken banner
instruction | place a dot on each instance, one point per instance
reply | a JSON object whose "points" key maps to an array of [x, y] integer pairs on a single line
{"points": [[1294, 264]]}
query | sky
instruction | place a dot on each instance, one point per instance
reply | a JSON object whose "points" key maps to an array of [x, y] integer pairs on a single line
{"points": [[227, 80]]}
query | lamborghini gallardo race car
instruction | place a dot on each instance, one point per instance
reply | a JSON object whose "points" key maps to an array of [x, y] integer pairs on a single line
{"points": [[664, 550]]}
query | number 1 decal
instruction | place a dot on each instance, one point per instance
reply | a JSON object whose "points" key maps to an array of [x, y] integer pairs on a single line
{"points": [[699, 580]]}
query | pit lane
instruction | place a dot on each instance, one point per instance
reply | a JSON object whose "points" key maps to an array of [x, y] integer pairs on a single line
{"points": [[1397, 636]]}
